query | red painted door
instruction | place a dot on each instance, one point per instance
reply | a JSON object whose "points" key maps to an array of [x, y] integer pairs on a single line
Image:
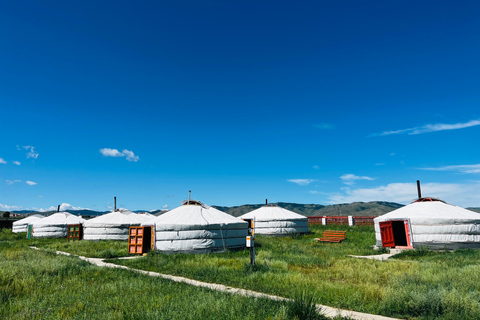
{"points": [[386, 232]]}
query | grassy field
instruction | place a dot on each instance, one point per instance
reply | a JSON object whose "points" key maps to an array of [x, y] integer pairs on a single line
{"points": [[43, 285], [417, 284], [420, 284]]}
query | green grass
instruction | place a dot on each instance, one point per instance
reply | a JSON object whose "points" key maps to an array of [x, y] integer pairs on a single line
{"points": [[42, 285], [93, 249], [417, 284], [429, 285]]}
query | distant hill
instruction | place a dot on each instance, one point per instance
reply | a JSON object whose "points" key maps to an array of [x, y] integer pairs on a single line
{"points": [[83, 213], [373, 208]]}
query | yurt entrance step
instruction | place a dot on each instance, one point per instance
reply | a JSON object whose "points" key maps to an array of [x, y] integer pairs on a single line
{"points": [[395, 233], [140, 240]]}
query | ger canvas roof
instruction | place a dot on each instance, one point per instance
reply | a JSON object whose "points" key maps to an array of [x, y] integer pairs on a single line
{"points": [[195, 215], [59, 218], [269, 213], [28, 220], [115, 218], [435, 212]]}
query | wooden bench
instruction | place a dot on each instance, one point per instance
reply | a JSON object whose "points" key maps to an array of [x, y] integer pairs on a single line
{"points": [[332, 236]]}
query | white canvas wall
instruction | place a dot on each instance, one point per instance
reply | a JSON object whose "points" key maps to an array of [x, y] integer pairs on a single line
{"points": [[112, 226], [22, 225]]}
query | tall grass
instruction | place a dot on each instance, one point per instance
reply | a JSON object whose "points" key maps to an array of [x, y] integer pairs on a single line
{"points": [[43, 285], [426, 285], [416, 284]]}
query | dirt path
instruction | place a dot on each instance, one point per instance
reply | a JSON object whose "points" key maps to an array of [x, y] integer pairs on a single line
{"points": [[325, 310]]}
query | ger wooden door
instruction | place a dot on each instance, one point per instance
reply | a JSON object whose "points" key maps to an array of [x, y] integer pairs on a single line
{"points": [[386, 232]]}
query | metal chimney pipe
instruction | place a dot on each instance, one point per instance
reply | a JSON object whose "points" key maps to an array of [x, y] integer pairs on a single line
{"points": [[419, 190], [266, 202], [189, 195], [58, 208], [114, 203]]}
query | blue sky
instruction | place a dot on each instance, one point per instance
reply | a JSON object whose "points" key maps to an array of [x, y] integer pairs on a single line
{"points": [[308, 102]]}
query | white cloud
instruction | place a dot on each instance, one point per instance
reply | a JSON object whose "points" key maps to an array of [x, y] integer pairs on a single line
{"points": [[463, 168], [430, 128], [130, 156], [316, 167], [5, 207], [165, 206], [2, 161], [107, 152], [350, 178], [30, 183], [63, 207], [465, 195], [32, 153], [301, 182], [17, 163], [12, 182]]}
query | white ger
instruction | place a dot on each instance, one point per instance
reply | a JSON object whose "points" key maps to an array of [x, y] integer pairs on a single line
{"points": [[55, 225], [22, 224], [113, 225], [428, 222], [274, 220], [197, 228]]}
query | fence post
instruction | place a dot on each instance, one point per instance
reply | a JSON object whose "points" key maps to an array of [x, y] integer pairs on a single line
{"points": [[324, 221], [350, 221]]}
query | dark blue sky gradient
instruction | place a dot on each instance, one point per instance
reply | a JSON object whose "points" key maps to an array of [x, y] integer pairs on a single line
{"points": [[235, 95]]}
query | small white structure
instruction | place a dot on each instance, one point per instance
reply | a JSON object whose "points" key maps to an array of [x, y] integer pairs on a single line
{"points": [[273, 220], [197, 228], [22, 225], [428, 222], [113, 225], [55, 225]]}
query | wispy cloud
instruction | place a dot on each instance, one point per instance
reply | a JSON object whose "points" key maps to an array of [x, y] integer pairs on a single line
{"points": [[350, 178], [316, 167], [12, 182], [5, 207], [430, 128], [465, 195], [30, 183], [324, 126], [301, 182], [2, 161], [463, 168], [32, 153], [130, 156], [17, 163]]}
